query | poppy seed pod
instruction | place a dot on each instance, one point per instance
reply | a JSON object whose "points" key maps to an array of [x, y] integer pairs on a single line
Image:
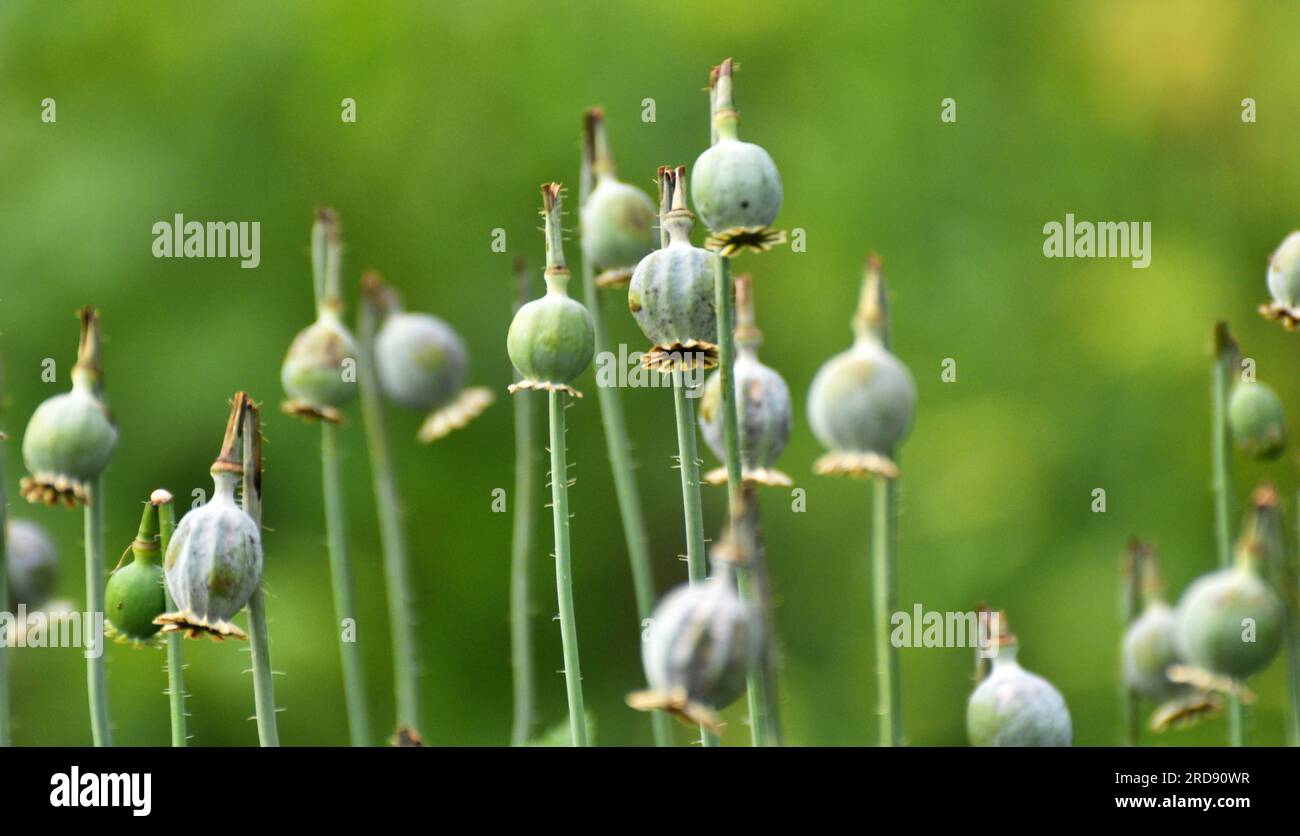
{"points": [[737, 187], [702, 643], [317, 373], [551, 340], [1284, 282], [1013, 707], [617, 219], [1256, 420], [31, 565], [421, 363], [71, 436], [1150, 642], [765, 411], [134, 596], [671, 295], [861, 401], [213, 563]]}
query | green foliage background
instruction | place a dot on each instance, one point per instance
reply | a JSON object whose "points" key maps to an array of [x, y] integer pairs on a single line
{"points": [[1072, 375]]}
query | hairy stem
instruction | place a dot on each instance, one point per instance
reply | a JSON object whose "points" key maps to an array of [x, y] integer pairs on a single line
{"points": [[259, 637], [95, 673], [1225, 361], [754, 585], [1291, 579], [521, 548], [884, 557], [354, 691], [626, 491], [564, 572], [175, 658], [392, 538]]}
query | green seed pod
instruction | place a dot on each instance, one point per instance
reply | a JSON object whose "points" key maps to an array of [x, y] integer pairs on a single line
{"points": [[32, 566], [1150, 649], [765, 411], [1284, 282], [617, 219], [671, 294], [552, 339], [1013, 707], [214, 562], [737, 186], [319, 371], [133, 597], [702, 643], [421, 362], [70, 437], [861, 402], [1257, 420]]}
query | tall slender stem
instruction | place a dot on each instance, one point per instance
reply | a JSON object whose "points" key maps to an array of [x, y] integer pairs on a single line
{"points": [[521, 549], [564, 571], [626, 490], [96, 679], [5, 638], [175, 657], [754, 585], [1291, 579], [259, 636], [388, 508], [1130, 585], [1225, 361], [885, 602], [354, 691]]}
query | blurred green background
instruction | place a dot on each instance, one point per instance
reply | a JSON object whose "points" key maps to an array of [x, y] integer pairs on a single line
{"points": [[1072, 374]]}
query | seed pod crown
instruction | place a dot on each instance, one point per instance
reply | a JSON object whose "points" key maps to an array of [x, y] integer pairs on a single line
{"points": [[551, 339], [1284, 283], [71, 436]]}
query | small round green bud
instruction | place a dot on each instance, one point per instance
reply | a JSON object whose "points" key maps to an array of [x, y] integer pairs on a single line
{"points": [[738, 190], [421, 362], [1013, 707], [1257, 420], [1230, 622], [1284, 281], [32, 565], [552, 339], [671, 294], [213, 563], [319, 370], [1150, 649], [702, 643], [134, 596]]}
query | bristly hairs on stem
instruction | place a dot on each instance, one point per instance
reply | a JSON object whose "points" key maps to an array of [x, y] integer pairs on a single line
{"points": [[162, 499]]}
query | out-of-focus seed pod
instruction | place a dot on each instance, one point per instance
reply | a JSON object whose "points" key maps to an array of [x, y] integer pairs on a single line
{"points": [[1013, 707], [671, 295], [134, 596], [861, 401], [421, 364], [1150, 642], [32, 565], [702, 642], [1284, 283], [214, 559], [315, 373], [765, 411], [618, 219], [1230, 622], [1257, 420], [70, 436], [737, 186], [551, 340]]}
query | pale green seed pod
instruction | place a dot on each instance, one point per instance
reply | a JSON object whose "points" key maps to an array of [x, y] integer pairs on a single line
{"points": [[671, 294], [1014, 707], [1230, 622], [702, 643], [32, 565], [764, 407], [71, 436], [861, 401], [552, 339], [133, 596], [213, 563], [1257, 420], [737, 185], [1150, 649], [420, 360], [1284, 275], [618, 219], [319, 371]]}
